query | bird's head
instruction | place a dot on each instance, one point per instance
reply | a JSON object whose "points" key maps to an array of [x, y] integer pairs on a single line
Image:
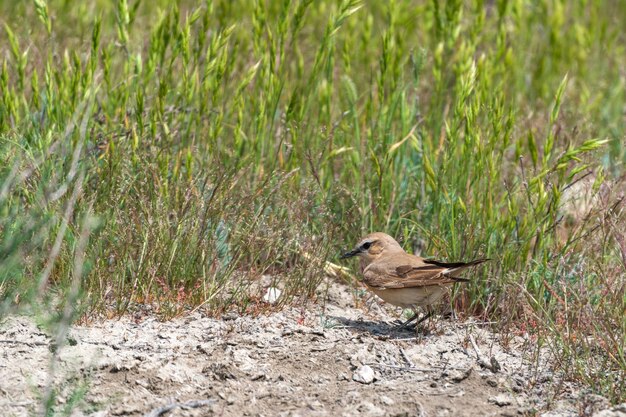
{"points": [[373, 246]]}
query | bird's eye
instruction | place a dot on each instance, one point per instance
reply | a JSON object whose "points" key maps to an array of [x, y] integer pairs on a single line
{"points": [[366, 245]]}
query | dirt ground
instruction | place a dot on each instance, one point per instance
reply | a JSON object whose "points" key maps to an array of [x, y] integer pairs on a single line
{"points": [[323, 360]]}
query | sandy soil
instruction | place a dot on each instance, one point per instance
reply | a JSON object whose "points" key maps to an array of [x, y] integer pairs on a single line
{"points": [[323, 360]]}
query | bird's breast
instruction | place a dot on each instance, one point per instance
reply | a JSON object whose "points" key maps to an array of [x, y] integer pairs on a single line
{"points": [[410, 297]]}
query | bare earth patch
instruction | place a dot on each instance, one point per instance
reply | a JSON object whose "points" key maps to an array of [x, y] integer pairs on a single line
{"points": [[322, 360]]}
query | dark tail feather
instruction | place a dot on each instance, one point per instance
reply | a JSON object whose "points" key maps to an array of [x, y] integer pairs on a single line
{"points": [[458, 279], [457, 267], [453, 265]]}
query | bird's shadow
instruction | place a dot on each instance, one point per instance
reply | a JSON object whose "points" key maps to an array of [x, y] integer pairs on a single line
{"points": [[379, 328]]}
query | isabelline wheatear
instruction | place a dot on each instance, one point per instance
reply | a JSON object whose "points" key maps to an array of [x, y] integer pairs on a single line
{"points": [[402, 279]]}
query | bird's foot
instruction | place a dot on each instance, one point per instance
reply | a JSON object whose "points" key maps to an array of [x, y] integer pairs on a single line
{"points": [[450, 314], [408, 326], [400, 324]]}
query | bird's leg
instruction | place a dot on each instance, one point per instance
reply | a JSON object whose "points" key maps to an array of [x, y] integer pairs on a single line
{"points": [[429, 313], [449, 312], [423, 329], [406, 323]]}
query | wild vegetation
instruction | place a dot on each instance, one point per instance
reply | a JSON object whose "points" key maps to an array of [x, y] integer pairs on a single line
{"points": [[166, 156]]}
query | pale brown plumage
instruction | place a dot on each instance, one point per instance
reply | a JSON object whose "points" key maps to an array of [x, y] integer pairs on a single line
{"points": [[403, 279]]}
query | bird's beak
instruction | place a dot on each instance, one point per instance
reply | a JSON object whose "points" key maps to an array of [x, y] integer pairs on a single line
{"points": [[350, 254]]}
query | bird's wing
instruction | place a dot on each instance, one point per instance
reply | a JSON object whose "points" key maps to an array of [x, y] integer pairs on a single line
{"points": [[412, 271]]}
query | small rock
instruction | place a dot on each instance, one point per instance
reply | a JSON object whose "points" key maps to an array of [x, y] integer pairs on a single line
{"points": [[594, 404], [361, 357], [443, 411], [230, 316], [322, 348], [495, 365], [492, 382], [508, 413], [544, 378], [258, 376], [458, 376], [617, 411], [272, 294], [517, 385], [370, 409], [419, 410], [364, 374], [319, 379], [526, 411], [522, 401], [142, 383], [205, 348], [315, 405], [386, 400], [262, 394], [560, 411], [120, 367], [221, 371], [318, 332], [501, 400]]}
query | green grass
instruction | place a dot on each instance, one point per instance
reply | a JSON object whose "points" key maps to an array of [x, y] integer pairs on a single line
{"points": [[170, 156]]}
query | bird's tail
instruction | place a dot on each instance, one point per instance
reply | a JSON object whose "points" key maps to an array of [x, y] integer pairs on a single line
{"points": [[453, 268]]}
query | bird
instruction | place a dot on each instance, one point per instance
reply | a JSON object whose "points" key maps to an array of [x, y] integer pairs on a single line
{"points": [[403, 279]]}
